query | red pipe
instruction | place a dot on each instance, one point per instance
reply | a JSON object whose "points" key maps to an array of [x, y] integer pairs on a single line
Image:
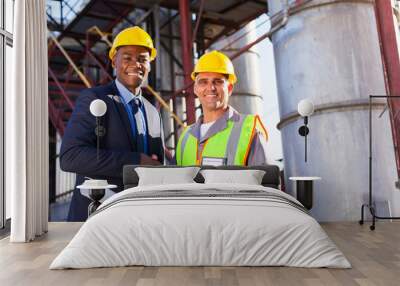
{"points": [[56, 118], [76, 85], [60, 87], [85, 58], [69, 75], [190, 83], [187, 57], [391, 63], [103, 69], [248, 46], [199, 15]]}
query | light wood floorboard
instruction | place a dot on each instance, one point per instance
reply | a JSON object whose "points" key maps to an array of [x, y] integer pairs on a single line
{"points": [[374, 255]]}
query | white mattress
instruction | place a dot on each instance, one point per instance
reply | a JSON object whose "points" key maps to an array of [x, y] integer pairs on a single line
{"points": [[226, 225]]}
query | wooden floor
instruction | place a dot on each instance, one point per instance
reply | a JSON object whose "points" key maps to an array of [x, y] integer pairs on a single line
{"points": [[374, 255]]}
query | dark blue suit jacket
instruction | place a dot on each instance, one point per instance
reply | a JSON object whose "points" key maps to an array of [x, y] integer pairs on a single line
{"points": [[117, 148]]}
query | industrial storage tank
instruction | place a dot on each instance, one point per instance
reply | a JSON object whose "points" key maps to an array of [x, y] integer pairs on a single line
{"points": [[247, 96], [329, 52]]}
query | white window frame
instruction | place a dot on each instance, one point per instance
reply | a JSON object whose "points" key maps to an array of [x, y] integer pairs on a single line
{"points": [[2, 90], [6, 39]]}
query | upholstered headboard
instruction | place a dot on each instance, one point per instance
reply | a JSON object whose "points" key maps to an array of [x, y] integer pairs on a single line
{"points": [[270, 179]]}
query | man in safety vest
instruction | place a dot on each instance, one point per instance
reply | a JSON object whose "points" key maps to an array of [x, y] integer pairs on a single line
{"points": [[221, 136]]}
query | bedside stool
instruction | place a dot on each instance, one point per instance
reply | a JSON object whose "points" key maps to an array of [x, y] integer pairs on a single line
{"points": [[304, 190], [96, 189]]}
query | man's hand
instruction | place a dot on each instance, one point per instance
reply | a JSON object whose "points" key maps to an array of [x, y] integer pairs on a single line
{"points": [[147, 160]]}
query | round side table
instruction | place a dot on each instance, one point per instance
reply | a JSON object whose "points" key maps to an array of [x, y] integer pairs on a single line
{"points": [[304, 190], [96, 193]]}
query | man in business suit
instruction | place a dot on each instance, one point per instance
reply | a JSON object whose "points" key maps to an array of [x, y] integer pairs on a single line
{"points": [[134, 133]]}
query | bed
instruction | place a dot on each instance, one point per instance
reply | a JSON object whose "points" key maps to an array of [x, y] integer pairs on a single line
{"points": [[201, 221]]}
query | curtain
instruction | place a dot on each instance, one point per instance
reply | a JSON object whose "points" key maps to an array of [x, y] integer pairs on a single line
{"points": [[27, 124]]}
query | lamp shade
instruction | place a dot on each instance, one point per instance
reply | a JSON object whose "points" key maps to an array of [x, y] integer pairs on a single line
{"points": [[305, 107], [98, 107]]}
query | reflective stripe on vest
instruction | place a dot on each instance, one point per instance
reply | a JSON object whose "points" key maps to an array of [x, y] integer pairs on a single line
{"points": [[233, 143]]}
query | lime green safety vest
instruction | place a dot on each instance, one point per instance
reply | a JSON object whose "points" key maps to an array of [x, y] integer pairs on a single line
{"points": [[232, 143]]}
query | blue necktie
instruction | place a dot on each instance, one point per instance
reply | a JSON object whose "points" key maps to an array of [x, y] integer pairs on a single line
{"points": [[135, 103]]}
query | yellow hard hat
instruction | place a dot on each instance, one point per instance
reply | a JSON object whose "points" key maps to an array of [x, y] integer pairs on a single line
{"points": [[133, 36], [215, 61]]}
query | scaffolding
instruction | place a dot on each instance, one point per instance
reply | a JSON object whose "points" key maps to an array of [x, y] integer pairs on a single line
{"points": [[81, 34]]}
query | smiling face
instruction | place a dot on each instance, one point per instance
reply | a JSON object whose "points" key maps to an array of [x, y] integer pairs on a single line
{"points": [[213, 91], [132, 65]]}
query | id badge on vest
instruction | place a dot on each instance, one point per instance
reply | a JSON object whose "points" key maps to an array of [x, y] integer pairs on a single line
{"points": [[214, 161]]}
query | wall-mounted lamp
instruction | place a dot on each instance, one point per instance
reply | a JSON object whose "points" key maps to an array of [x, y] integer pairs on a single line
{"points": [[305, 109], [98, 108]]}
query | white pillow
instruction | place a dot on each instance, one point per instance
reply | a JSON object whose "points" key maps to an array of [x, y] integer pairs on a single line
{"points": [[249, 177], [166, 176]]}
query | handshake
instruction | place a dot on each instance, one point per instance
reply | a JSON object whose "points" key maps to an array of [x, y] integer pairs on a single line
{"points": [[149, 160]]}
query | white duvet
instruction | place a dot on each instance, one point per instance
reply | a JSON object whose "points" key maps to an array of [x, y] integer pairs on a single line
{"points": [[200, 224]]}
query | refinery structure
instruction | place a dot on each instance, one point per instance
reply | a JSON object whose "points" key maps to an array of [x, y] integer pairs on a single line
{"points": [[334, 53]]}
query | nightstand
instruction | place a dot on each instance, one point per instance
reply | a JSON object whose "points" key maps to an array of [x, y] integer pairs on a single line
{"points": [[304, 190], [95, 190]]}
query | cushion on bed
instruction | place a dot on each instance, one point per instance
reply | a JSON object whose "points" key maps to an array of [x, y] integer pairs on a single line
{"points": [[165, 176], [249, 177], [270, 179]]}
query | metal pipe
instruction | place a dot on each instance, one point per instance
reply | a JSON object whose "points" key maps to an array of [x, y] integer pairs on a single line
{"points": [[241, 51], [370, 151], [196, 27], [172, 71], [270, 19], [104, 36], [68, 76], [227, 46], [171, 54], [302, 6], [139, 21], [391, 63], [56, 118], [168, 22], [371, 205], [71, 62], [86, 65], [60, 87], [103, 69], [62, 14], [273, 29], [164, 104], [156, 21], [187, 57], [331, 107]]}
